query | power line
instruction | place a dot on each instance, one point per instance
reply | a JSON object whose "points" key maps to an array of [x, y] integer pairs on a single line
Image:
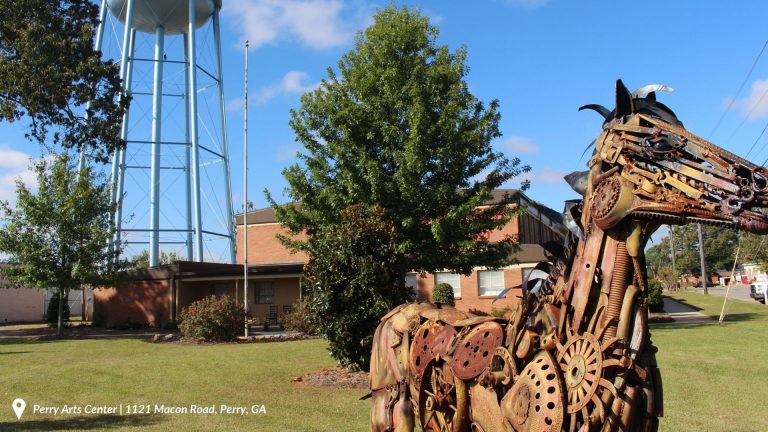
{"points": [[741, 87]]}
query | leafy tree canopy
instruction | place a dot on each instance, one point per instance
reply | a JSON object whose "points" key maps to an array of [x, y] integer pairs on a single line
{"points": [[396, 128], [49, 71], [719, 249], [55, 237]]}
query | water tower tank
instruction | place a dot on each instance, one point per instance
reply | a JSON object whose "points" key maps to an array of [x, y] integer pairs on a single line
{"points": [[172, 15]]}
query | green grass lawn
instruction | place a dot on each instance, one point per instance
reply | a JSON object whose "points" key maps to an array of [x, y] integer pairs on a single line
{"points": [[715, 377], [714, 380], [115, 371]]}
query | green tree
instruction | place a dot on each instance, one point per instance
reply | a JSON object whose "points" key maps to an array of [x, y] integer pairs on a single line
{"points": [[719, 250], [49, 72], [56, 237], [396, 129], [141, 260], [352, 281]]}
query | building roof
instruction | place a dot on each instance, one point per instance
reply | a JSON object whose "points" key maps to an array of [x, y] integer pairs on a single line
{"points": [[195, 269], [267, 215]]}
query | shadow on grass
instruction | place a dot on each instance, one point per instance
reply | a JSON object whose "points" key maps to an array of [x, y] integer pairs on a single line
{"points": [[100, 422], [744, 316], [684, 302], [14, 352]]}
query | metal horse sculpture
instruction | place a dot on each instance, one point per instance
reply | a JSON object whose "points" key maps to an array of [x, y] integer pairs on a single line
{"points": [[576, 354]]}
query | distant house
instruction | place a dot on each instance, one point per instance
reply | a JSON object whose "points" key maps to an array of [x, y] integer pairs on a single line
{"points": [[156, 295]]}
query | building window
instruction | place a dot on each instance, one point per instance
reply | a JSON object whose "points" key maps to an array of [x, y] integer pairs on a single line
{"points": [[411, 281], [265, 293], [491, 282], [219, 290], [451, 279], [527, 273]]}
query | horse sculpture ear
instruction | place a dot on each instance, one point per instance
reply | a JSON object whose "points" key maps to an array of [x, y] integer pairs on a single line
{"points": [[624, 104]]}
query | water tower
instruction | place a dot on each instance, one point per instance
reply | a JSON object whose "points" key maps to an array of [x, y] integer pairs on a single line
{"points": [[172, 181]]}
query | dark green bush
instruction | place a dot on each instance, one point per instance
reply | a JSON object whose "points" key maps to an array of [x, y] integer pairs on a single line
{"points": [[655, 289], [213, 319], [298, 320], [52, 315], [352, 280], [443, 293]]}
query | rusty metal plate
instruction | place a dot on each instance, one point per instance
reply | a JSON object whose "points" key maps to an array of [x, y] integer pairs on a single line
{"points": [[468, 322], [474, 351], [430, 340], [535, 402], [446, 314]]}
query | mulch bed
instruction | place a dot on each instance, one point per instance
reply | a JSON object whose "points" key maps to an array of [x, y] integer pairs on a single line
{"points": [[335, 377]]}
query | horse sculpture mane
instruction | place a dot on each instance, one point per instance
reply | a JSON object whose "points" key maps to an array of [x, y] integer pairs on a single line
{"points": [[576, 353]]}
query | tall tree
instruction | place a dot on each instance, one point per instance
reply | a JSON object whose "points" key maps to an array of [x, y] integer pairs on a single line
{"points": [[396, 129], [719, 250], [50, 71], [55, 237]]}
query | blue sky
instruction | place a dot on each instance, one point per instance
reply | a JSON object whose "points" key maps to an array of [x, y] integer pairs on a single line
{"points": [[541, 59]]}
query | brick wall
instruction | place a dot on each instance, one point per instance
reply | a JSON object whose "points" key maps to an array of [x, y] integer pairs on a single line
{"points": [[145, 302], [470, 298], [263, 247]]}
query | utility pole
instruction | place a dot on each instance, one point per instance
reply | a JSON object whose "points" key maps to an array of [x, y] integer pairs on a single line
{"points": [[245, 193], [701, 257]]}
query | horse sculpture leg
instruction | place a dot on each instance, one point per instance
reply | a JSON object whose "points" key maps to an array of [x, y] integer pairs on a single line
{"points": [[392, 408]]}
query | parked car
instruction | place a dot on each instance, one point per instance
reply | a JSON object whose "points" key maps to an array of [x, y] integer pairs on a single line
{"points": [[758, 290]]}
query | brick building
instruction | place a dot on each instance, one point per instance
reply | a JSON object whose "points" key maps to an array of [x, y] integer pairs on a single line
{"points": [[475, 291], [156, 295]]}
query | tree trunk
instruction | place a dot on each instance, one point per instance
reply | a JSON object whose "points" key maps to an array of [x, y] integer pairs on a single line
{"points": [[60, 321]]}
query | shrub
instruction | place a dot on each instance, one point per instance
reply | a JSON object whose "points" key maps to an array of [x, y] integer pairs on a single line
{"points": [[655, 303], [213, 319], [501, 313], [52, 315], [443, 294], [298, 320]]}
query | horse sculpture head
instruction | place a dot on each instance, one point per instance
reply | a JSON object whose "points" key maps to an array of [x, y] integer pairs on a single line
{"points": [[575, 353], [647, 166]]}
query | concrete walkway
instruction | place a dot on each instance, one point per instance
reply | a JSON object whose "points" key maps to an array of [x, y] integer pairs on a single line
{"points": [[684, 314]]}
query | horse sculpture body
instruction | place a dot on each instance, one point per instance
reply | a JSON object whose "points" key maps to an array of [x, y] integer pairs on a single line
{"points": [[576, 354]]}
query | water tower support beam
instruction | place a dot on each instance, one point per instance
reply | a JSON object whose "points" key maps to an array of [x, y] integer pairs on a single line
{"points": [[157, 114], [129, 35], [187, 154], [224, 141], [97, 46], [193, 131]]}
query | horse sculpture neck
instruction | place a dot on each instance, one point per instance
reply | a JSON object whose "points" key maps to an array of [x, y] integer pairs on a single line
{"points": [[576, 353]]}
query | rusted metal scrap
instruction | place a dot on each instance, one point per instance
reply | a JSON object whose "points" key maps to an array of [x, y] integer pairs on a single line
{"points": [[576, 354]]}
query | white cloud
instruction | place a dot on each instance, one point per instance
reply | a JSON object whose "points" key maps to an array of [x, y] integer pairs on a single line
{"points": [[755, 105], [287, 152], [519, 144], [317, 24], [546, 176], [14, 164], [235, 104], [293, 82]]}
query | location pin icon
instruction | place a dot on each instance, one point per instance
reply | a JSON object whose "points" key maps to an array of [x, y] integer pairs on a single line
{"points": [[18, 407]]}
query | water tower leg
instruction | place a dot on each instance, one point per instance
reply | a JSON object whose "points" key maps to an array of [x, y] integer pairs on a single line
{"points": [[97, 46], [187, 153], [121, 155], [157, 114], [194, 136], [128, 37], [224, 141]]}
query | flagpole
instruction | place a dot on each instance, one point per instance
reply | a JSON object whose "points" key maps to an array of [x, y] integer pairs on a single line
{"points": [[245, 193]]}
